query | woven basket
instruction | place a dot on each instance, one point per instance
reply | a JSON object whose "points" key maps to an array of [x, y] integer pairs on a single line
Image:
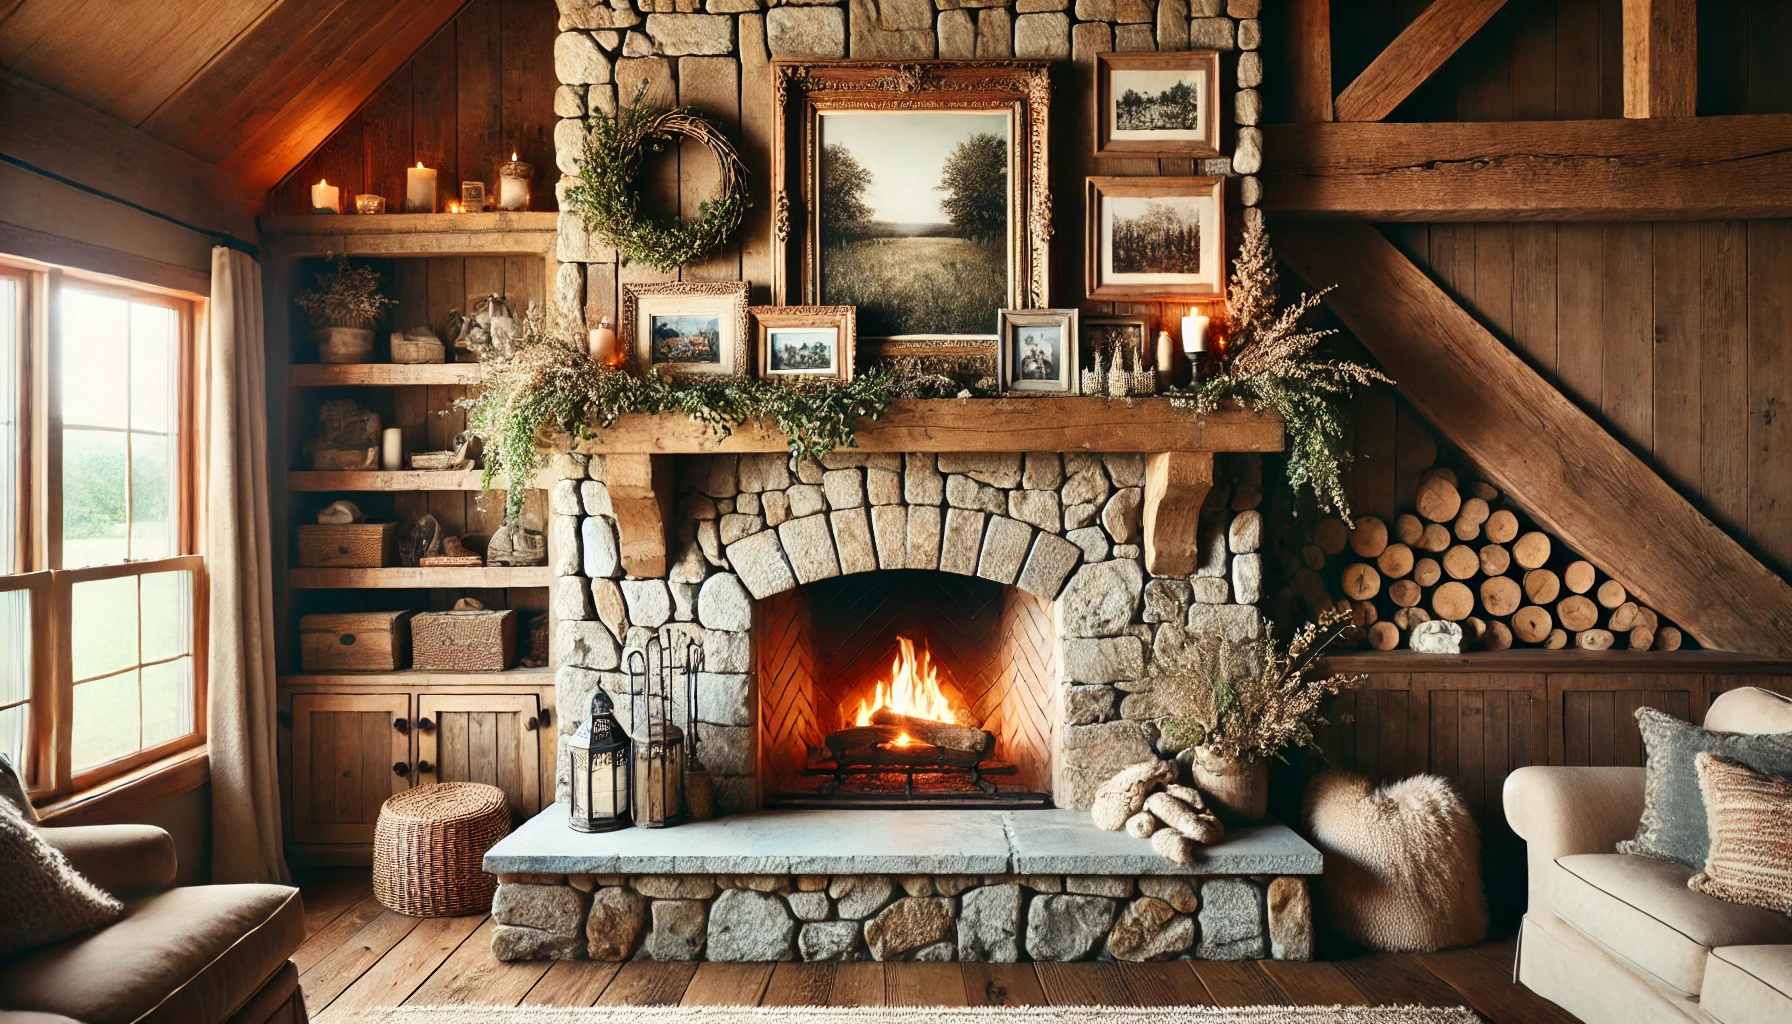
{"points": [[429, 845]]}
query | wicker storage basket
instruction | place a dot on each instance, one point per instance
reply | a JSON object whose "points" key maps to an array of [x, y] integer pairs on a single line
{"points": [[428, 846]]}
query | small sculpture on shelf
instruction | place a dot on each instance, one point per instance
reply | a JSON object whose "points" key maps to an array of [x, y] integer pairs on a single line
{"points": [[515, 544], [417, 345], [340, 513], [455, 555], [458, 458], [491, 329], [347, 438], [422, 539], [1120, 371]]}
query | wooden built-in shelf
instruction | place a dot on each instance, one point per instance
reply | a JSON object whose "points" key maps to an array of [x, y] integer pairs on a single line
{"points": [[406, 578], [412, 234], [410, 678], [311, 480], [1535, 659], [335, 375]]}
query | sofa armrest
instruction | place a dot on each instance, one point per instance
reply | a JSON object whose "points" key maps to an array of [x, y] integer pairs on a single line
{"points": [[1559, 812], [124, 860]]}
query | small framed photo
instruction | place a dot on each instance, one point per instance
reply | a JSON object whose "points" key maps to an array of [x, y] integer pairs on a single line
{"points": [[1036, 353], [687, 329], [1157, 104], [1155, 238], [806, 342]]}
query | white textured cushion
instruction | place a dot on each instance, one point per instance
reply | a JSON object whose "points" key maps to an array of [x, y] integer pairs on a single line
{"points": [[1750, 709], [1748, 985], [44, 900]]}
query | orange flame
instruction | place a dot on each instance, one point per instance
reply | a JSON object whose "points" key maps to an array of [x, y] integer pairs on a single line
{"points": [[913, 690]]}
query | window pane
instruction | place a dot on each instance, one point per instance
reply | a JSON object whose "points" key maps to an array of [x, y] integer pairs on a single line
{"points": [[152, 533], [167, 614], [15, 673], [93, 498], [106, 720], [167, 701], [10, 342], [95, 354], [12, 734], [153, 347], [103, 623]]}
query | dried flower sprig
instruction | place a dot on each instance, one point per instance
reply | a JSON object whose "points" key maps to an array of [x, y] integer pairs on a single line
{"points": [[347, 296]]}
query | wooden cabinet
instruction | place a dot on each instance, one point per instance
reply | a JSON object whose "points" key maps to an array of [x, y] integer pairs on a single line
{"points": [[483, 737], [349, 753]]}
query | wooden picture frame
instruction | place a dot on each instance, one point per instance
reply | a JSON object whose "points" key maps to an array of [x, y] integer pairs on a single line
{"points": [[1133, 271], [771, 321], [723, 304], [1193, 71], [1099, 332], [807, 93], [1045, 338]]}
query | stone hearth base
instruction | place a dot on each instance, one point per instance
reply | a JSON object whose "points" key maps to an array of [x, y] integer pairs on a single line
{"points": [[995, 886]]}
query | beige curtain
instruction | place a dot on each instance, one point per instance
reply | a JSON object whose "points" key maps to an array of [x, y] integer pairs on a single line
{"points": [[239, 558]]}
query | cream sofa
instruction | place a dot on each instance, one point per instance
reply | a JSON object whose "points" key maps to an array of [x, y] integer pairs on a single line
{"points": [[1615, 939]]}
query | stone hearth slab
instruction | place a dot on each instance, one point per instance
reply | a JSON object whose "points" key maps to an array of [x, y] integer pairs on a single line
{"points": [[885, 842]]}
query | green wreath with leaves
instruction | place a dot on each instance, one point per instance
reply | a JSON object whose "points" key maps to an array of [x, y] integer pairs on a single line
{"points": [[608, 199]]}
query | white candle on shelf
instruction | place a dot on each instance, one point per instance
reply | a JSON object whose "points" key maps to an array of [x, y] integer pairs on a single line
{"points": [[326, 198], [420, 189], [392, 449], [513, 184], [1194, 331]]}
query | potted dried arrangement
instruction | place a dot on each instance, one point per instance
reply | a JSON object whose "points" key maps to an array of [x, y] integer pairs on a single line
{"points": [[1236, 705], [343, 312]]}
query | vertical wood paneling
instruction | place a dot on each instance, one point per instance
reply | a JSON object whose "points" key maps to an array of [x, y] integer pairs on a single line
{"points": [[529, 28], [434, 106], [1770, 389], [1723, 372], [478, 94], [1628, 378], [712, 86], [1675, 311]]}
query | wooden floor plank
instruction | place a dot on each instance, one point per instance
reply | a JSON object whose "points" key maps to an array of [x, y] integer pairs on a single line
{"points": [[799, 985], [1487, 986], [923, 985], [1396, 979], [404, 968], [860, 984], [718, 984], [330, 893], [648, 983], [1002, 985], [1083, 984], [1314, 984], [331, 937], [1165, 984], [572, 983], [1238, 983], [331, 975], [474, 977]]}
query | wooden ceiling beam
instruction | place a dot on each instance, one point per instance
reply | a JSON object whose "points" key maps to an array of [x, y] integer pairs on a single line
{"points": [[1661, 58], [1548, 455], [1309, 60], [1680, 169], [1414, 55]]}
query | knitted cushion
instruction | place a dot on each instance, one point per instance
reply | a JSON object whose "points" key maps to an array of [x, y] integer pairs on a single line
{"points": [[1673, 823], [1749, 816], [46, 900], [12, 789]]}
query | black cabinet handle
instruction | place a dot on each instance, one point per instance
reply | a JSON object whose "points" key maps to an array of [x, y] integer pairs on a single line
{"points": [[425, 768], [532, 725], [401, 769], [425, 724], [401, 725], [547, 717]]}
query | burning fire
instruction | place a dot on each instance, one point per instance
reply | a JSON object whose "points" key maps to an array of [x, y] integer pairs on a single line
{"points": [[913, 690]]}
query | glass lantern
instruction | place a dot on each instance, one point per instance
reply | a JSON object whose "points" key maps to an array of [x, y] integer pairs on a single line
{"points": [[658, 759], [602, 771]]}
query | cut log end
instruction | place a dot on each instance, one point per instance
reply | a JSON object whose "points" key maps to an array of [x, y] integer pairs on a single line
{"points": [[1531, 550], [1499, 636], [1501, 527], [1438, 499], [1577, 613], [1453, 601], [1331, 535], [1500, 595], [1408, 528], [1532, 624], [1370, 537], [1579, 577], [1405, 593], [1594, 639], [1384, 636], [1461, 562], [1611, 594], [1426, 572], [1542, 586], [1361, 582], [1395, 561]]}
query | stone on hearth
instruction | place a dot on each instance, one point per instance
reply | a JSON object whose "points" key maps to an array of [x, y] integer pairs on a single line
{"points": [[963, 492], [1088, 484], [585, 645], [594, 495], [1101, 599], [811, 883], [1290, 913], [1120, 516], [908, 925], [1005, 543], [1250, 70], [1178, 892], [515, 942], [1093, 541], [571, 599], [1209, 590], [1041, 883], [648, 603], [809, 906], [1232, 926], [776, 505], [565, 496], [924, 529], [844, 488], [728, 750], [889, 529], [810, 548], [769, 471], [916, 885], [1048, 566], [989, 925], [746, 503], [1165, 601], [578, 61], [1118, 886], [996, 470], [922, 483], [563, 545], [1175, 847], [1150, 930], [680, 928], [1035, 6], [859, 896], [1037, 507], [962, 538], [852, 538], [1250, 34], [718, 475], [806, 32], [829, 941], [1245, 535], [1250, 190], [1042, 37], [805, 499], [1092, 754], [759, 562], [953, 885], [1210, 34], [602, 558], [552, 908], [1247, 154], [612, 610], [1087, 705], [682, 34], [1126, 469], [750, 927], [937, 953], [615, 923], [573, 690], [1210, 541], [724, 603], [883, 486], [1104, 660], [1064, 928], [957, 32], [596, 14], [675, 887], [1236, 622]]}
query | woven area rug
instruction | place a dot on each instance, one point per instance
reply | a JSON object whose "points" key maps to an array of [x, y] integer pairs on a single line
{"points": [[921, 1015]]}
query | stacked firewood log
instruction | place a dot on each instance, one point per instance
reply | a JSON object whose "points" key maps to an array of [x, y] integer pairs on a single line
{"points": [[1465, 555]]}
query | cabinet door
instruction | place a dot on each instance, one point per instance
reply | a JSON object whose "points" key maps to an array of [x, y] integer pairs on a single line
{"points": [[349, 753], [489, 738]]}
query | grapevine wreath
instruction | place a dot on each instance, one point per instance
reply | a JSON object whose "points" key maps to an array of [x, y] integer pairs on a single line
{"points": [[608, 200]]}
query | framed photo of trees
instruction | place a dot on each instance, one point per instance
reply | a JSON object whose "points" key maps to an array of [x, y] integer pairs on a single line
{"points": [[1155, 238], [1157, 104], [915, 192]]}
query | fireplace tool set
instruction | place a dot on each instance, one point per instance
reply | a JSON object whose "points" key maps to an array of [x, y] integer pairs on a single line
{"points": [[646, 773]]}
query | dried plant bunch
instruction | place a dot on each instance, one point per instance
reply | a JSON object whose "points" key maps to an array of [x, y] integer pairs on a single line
{"points": [[346, 296], [1244, 701]]}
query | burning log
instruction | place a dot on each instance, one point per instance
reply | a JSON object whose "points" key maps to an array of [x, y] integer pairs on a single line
{"points": [[940, 734], [861, 738]]}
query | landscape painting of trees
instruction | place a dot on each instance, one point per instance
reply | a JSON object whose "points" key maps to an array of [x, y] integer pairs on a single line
{"points": [[1155, 237], [913, 210]]}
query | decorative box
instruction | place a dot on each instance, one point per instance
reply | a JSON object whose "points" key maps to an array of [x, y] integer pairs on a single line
{"points": [[464, 641], [348, 546], [354, 641]]}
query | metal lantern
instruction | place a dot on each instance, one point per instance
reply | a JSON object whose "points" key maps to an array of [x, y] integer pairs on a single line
{"points": [[654, 676], [602, 772]]}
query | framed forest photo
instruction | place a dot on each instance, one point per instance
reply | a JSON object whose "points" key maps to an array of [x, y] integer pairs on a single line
{"points": [[1157, 104], [805, 342], [914, 192], [687, 329], [1155, 238]]}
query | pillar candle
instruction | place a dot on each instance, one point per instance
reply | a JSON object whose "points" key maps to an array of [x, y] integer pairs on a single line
{"points": [[326, 198], [513, 184], [420, 189], [603, 343], [1194, 331], [392, 449]]}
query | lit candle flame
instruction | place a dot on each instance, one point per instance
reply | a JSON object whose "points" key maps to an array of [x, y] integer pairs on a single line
{"points": [[420, 165], [513, 156]]}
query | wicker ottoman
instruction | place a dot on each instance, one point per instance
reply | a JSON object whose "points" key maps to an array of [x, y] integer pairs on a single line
{"points": [[429, 844]]}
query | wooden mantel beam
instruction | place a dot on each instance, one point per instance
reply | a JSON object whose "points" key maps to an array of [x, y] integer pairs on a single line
{"points": [[1661, 58], [1552, 458], [1674, 169], [1414, 55]]}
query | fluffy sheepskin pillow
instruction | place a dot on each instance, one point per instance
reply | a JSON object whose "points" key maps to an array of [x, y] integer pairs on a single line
{"points": [[1402, 862], [46, 899]]}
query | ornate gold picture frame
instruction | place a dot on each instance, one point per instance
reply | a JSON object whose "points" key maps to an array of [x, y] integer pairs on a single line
{"points": [[687, 329]]}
